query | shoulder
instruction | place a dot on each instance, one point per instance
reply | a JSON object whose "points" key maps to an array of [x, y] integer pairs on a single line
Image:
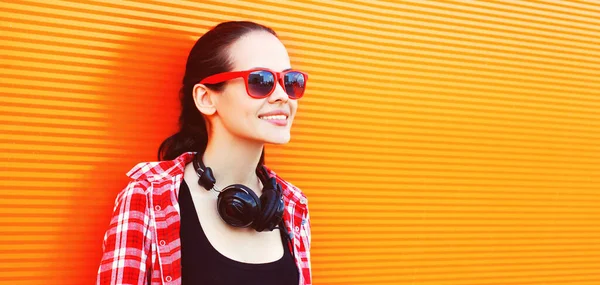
{"points": [[291, 191], [133, 197], [145, 176]]}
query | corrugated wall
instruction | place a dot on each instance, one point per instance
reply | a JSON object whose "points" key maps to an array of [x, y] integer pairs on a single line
{"points": [[439, 142]]}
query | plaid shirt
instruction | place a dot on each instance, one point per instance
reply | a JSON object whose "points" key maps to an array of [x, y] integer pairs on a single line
{"points": [[142, 244]]}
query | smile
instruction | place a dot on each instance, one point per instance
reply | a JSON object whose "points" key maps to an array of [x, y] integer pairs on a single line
{"points": [[277, 120], [275, 117]]}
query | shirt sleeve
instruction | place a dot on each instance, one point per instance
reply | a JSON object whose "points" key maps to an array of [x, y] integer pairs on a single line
{"points": [[307, 225], [307, 238], [127, 241]]}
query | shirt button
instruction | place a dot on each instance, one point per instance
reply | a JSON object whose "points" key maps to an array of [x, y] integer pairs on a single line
{"points": [[303, 200], [297, 228], [157, 208], [162, 242], [168, 279]]}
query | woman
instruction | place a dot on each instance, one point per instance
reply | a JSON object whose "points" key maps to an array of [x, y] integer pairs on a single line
{"points": [[210, 212]]}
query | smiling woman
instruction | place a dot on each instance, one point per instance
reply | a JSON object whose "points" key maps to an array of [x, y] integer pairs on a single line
{"points": [[239, 93]]}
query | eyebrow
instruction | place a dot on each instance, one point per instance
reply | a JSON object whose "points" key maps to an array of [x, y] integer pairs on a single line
{"points": [[265, 67]]}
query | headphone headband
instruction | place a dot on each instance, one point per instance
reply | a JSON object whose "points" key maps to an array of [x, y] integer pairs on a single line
{"points": [[207, 178]]}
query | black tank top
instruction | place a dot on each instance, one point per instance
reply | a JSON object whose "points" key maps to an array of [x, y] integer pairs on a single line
{"points": [[202, 264]]}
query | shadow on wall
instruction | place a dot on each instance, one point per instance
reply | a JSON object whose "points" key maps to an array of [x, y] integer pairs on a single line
{"points": [[140, 100]]}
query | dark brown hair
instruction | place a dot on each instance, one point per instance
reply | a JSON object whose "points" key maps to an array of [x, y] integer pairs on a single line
{"points": [[210, 55]]}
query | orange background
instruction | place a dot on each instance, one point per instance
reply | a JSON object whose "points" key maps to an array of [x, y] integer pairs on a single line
{"points": [[439, 142]]}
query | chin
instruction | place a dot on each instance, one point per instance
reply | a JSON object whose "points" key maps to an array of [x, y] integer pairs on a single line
{"points": [[277, 139]]}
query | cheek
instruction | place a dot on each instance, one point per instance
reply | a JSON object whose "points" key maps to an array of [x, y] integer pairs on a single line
{"points": [[238, 108], [233, 99], [294, 107]]}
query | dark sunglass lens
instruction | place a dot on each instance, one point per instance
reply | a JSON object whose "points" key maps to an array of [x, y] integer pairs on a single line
{"points": [[260, 83], [294, 84]]}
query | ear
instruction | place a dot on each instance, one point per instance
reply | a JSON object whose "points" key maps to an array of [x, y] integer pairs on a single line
{"points": [[204, 99]]}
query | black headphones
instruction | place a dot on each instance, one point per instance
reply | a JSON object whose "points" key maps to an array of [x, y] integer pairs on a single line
{"points": [[239, 206]]}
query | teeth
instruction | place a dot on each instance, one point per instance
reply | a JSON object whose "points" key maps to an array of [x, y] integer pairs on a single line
{"points": [[277, 117]]}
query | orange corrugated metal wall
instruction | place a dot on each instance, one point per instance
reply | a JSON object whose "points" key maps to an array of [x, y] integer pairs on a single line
{"points": [[440, 142]]}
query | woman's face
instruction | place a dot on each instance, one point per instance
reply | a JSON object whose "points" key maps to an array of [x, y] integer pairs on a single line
{"points": [[242, 115]]}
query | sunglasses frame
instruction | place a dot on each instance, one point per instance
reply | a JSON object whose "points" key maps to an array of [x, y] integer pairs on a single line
{"points": [[225, 76]]}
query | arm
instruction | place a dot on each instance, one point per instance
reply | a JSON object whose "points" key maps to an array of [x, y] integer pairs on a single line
{"points": [[127, 241]]}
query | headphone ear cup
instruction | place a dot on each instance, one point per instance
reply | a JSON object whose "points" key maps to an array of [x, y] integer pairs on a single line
{"points": [[238, 205], [272, 209]]}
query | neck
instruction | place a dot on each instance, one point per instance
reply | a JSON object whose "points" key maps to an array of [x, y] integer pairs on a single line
{"points": [[232, 160]]}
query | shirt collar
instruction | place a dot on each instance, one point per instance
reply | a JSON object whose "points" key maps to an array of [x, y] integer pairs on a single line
{"points": [[158, 170], [161, 170]]}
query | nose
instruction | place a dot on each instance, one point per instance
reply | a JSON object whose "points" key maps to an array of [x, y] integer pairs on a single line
{"points": [[278, 94]]}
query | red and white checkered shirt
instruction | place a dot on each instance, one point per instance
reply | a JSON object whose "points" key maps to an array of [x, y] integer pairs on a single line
{"points": [[142, 244]]}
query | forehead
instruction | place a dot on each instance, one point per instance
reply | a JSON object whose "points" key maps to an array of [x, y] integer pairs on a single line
{"points": [[259, 49]]}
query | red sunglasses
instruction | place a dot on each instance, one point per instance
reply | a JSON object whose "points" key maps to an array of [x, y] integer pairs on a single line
{"points": [[260, 82]]}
